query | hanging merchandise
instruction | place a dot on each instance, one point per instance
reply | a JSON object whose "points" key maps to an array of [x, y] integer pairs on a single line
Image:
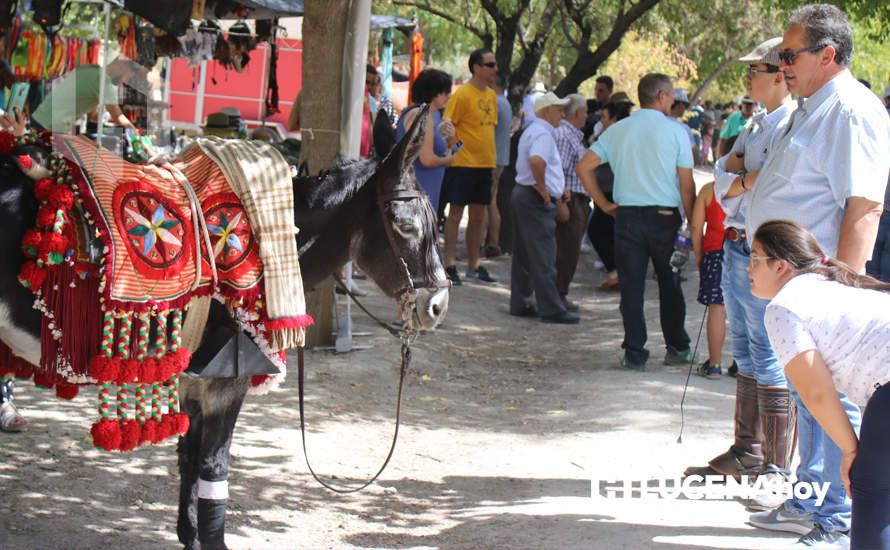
{"points": [[416, 60], [241, 41], [55, 63], [198, 46], [93, 47], [170, 15], [146, 53], [272, 90], [19, 56], [126, 36], [167, 44], [386, 63]]}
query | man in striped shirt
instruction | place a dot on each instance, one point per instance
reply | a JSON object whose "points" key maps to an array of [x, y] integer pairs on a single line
{"points": [[569, 142]]}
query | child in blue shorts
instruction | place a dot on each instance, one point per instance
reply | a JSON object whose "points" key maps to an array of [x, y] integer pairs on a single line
{"points": [[706, 229]]}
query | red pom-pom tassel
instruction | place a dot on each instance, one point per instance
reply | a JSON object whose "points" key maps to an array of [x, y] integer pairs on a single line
{"points": [[52, 243], [46, 216], [167, 427], [103, 369], [127, 371], [131, 433], [65, 390], [25, 162], [31, 242], [148, 369], [149, 433], [32, 276], [61, 197], [182, 423], [43, 188], [106, 434]]}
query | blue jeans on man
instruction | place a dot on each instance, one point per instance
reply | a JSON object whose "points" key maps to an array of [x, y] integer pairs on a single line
{"points": [[643, 233], [751, 349], [820, 461]]}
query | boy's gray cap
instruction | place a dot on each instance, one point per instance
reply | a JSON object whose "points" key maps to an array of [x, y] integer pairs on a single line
{"points": [[767, 52]]}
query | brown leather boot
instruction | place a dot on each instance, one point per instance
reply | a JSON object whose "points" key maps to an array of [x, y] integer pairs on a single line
{"points": [[744, 457], [778, 416]]}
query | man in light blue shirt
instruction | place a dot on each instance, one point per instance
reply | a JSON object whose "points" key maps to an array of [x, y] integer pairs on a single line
{"points": [[539, 184], [828, 173], [650, 156]]}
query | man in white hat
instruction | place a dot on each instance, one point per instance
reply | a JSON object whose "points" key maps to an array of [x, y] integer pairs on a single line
{"points": [[528, 103], [540, 183], [648, 192]]}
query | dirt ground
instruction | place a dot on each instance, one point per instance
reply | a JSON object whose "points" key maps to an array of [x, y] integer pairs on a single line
{"points": [[505, 423]]}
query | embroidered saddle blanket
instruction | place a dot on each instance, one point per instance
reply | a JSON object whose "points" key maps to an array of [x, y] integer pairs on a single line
{"points": [[219, 223]]}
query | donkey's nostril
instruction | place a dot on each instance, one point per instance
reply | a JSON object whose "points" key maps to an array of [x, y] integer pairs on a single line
{"points": [[436, 310]]}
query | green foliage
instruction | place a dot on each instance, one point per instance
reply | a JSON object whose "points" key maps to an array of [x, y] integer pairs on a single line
{"points": [[644, 52], [870, 58]]}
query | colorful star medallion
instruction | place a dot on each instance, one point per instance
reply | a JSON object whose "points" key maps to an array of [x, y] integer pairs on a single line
{"points": [[156, 234], [230, 232]]}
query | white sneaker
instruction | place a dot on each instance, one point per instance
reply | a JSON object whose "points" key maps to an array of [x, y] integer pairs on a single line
{"points": [[781, 520]]}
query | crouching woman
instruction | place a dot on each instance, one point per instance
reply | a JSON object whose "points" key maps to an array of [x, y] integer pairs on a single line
{"points": [[830, 327]]}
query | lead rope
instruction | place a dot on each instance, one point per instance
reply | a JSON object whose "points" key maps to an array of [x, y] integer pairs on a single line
{"points": [[406, 361], [405, 336]]}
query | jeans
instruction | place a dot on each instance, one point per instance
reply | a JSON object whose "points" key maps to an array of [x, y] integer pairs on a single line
{"points": [[750, 344], [870, 476], [879, 265], [643, 233], [820, 461]]}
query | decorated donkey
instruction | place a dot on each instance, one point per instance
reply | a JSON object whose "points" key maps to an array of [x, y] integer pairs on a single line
{"points": [[371, 211]]}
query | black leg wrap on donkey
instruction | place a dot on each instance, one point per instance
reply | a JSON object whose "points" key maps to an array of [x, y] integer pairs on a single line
{"points": [[745, 456], [7, 388], [212, 500]]}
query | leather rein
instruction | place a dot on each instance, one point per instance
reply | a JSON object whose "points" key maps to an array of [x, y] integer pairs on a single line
{"points": [[406, 297]]}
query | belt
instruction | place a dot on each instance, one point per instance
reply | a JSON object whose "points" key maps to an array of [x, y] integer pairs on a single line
{"points": [[735, 235]]}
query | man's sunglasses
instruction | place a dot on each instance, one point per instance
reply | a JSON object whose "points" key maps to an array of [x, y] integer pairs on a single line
{"points": [[788, 57], [752, 70], [490, 64]]}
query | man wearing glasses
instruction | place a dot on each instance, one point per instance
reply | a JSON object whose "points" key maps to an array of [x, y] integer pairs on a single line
{"points": [[828, 173], [764, 413], [473, 109]]}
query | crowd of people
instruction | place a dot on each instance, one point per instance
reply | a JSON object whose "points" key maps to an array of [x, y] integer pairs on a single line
{"points": [[800, 169]]}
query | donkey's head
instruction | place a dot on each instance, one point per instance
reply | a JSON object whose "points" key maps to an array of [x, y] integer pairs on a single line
{"points": [[400, 251]]}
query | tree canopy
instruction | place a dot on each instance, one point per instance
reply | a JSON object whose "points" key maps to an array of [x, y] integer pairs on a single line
{"points": [[566, 42]]}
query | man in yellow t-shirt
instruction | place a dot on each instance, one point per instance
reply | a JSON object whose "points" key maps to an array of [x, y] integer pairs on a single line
{"points": [[473, 109]]}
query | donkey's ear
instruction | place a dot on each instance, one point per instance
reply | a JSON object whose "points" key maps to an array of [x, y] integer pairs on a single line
{"points": [[384, 135], [414, 136]]}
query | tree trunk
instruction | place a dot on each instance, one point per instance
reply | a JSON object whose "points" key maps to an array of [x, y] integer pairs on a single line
{"points": [[730, 57], [587, 62], [324, 34]]}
